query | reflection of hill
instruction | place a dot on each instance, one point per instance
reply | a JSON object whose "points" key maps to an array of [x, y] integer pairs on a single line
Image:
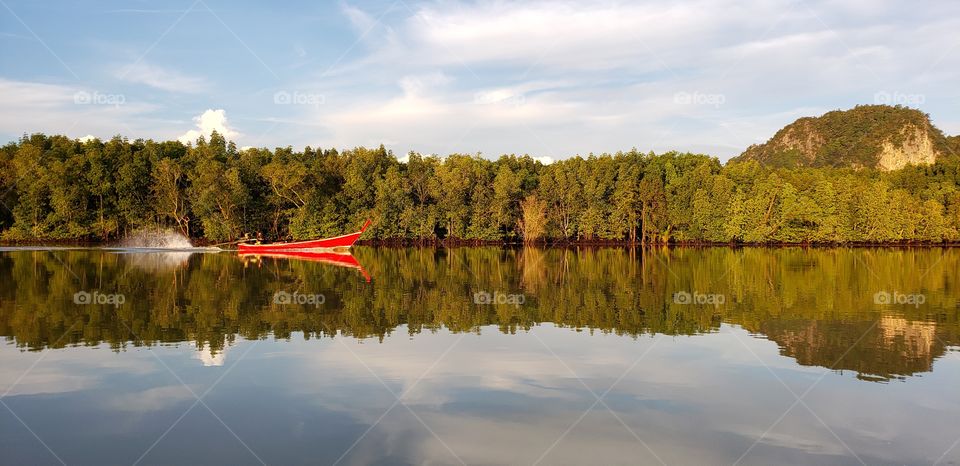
{"points": [[814, 303], [890, 347]]}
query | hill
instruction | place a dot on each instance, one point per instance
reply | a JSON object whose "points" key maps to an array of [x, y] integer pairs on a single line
{"points": [[867, 136]]}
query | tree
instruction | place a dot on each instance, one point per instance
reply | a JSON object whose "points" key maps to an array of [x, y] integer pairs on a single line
{"points": [[626, 202], [420, 216], [653, 209], [168, 194], [533, 221], [452, 191], [392, 194], [505, 202]]}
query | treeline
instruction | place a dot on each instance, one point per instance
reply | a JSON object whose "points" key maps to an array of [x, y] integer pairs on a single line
{"points": [[57, 188]]}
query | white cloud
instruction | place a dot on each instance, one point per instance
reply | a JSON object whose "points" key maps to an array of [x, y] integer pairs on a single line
{"points": [[208, 122], [162, 78], [544, 78], [87, 138], [359, 19], [423, 84], [30, 107], [551, 79]]}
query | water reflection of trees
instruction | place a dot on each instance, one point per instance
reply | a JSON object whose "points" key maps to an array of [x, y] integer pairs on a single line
{"points": [[815, 303]]}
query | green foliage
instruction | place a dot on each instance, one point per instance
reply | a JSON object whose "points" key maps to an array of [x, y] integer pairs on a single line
{"points": [[847, 138], [58, 188]]}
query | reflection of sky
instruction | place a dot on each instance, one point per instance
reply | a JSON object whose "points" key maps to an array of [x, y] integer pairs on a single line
{"points": [[494, 398]]}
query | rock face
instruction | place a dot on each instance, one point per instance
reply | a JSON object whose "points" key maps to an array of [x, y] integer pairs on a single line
{"points": [[867, 136], [916, 148]]}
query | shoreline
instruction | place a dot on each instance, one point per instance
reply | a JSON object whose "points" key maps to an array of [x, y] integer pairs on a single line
{"points": [[446, 244]]}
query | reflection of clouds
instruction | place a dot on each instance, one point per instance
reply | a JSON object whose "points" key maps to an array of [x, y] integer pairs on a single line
{"points": [[400, 362], [154, 399], [41, 380], [504, 399], [598, 438], [210, 357], [521, 364], [61, 370], [810, 441]]}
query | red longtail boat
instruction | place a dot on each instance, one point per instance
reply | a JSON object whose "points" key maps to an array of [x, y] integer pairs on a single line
{"points": [[342, 259], [342, 241]]}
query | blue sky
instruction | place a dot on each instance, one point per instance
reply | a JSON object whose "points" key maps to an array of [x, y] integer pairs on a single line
{"points": [[550, 79]]}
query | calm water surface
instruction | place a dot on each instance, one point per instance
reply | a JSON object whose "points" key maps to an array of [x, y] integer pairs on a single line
{"points": [[591, 356]]}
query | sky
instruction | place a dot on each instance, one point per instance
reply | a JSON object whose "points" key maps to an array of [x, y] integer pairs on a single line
{"points": [[549, 79]]}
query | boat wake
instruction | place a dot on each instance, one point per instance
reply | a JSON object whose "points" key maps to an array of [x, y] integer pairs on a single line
{"points": [[140, 250], [156, 239], [157, 250]]}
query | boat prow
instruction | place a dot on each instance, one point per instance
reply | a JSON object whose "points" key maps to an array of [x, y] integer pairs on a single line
{"points": [[336, 242]]}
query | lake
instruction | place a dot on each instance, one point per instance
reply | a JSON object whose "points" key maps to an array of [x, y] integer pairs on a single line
{"points": [[489, 355]]}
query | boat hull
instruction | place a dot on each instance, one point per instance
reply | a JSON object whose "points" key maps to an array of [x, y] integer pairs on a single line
{"points": [[337, 242], [341, 259]]}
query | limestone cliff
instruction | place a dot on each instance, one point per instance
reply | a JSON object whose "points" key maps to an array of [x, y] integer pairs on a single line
{"points": [[867, 136]]}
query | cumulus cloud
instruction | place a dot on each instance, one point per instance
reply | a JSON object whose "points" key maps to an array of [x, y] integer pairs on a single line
{"points": [[208, 122]]}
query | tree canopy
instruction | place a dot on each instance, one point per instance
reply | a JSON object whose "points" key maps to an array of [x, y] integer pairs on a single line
{"points": [[57, 188]]}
